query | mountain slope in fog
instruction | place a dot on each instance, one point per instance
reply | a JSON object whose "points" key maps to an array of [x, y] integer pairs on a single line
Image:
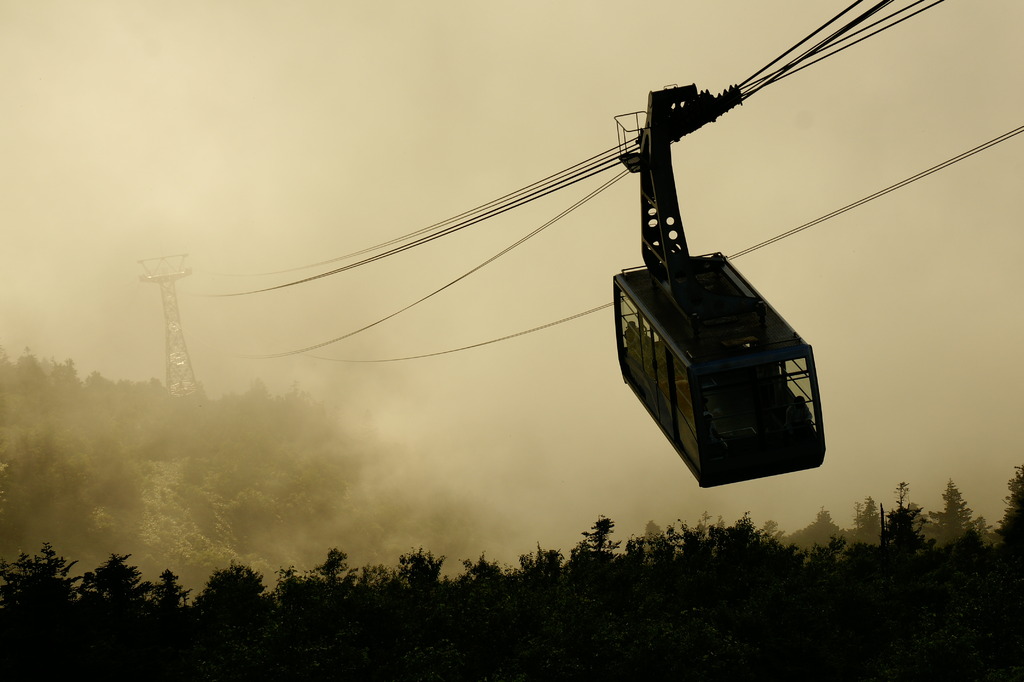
{"points": [[96, 466]]}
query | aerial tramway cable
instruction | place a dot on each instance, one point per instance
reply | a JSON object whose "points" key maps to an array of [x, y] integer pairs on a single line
{"points": [[597, 164], [838, 40], [582, 166], [610, 158], [475, 345], [882, 192], [454, 281], [891, 188]]}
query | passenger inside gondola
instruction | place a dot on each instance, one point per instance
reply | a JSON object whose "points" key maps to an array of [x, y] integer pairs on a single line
{"points": [[718, 445], [798, 418]]}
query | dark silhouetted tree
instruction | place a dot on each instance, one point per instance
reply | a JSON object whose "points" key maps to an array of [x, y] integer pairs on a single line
{"points": [[1011, 527], [867, 522], [652, 530], [171, 617], [233, 616], [233, 596], [114, 603], [903, 524], [37, 584], [168, 595], [597, 542], [39, 632], [955, 519], [543, 566], [420, 569], [770, 529], [115, 584], [313, 629], [819, 532]]}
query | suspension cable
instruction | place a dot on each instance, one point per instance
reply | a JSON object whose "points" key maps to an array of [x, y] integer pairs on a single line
{"points": [[454, 281], [848, 41], [595, 165], [811, 35], [836, 42], [882, 192], [553, 178], [476, 345], [777, 238]]}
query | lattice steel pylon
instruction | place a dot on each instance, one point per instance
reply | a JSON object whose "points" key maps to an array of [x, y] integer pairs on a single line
{"points": [[165, 271]]}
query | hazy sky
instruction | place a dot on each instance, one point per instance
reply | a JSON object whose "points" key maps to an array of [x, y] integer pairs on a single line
{"points": [[258, 136]]}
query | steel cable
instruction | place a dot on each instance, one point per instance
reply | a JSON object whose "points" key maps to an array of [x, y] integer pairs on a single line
{"points": [[490, 260], [934, 169]]}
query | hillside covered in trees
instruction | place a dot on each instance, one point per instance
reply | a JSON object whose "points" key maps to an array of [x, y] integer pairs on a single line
{"points": [[99, 467], [195, 514]]}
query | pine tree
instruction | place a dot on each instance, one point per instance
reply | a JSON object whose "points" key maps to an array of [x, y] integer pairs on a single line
{"points": [[819, 532], [955, 519], [38, 608], [651, 530], [1011, 528], [867, 522], [37, 584], [770, 529], [903, 524], [982, 527], [597, 543]]}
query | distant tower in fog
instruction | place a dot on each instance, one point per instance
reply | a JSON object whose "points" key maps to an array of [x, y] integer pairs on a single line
{"points": [[166, 271]]}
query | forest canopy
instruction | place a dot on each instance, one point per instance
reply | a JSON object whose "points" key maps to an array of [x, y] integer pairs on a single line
{"points": [[703, 602], [234, 501]]}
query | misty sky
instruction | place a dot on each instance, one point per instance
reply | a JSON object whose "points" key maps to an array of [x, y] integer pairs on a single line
{"points": [[259, 136]]}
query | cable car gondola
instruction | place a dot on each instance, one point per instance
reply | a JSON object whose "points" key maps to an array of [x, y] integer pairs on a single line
{"points": [[730, 383]]}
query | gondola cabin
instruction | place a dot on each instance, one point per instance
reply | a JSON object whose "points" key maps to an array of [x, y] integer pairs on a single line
{"points": [[737, 396], [729, 382]]}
